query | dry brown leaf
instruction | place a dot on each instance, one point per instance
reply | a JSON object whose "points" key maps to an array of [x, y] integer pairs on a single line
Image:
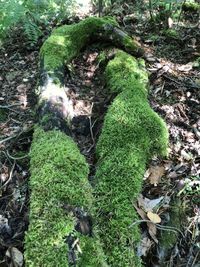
{"points": [[155, 218], [140, 212], [152, 231], [156, 173]]}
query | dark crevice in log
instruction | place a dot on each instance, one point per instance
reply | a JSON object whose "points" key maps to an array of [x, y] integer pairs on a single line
{"points": [[51, 116]]}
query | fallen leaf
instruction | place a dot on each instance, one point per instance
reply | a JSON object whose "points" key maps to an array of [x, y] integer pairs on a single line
{"points": [[144, 246], [172, 175], [185, 68], [148, 204], [4, 226], [186, 156], [152, 231], [156, 172], [140, 212], [15, 256], [170, 23], [146, 175], [153, 217]]}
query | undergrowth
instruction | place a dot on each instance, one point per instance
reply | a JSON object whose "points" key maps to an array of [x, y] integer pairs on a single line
{"points": [[33, 16]]}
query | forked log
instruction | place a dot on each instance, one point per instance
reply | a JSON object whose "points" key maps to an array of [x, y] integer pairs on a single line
{"points": [[61, 196], [55, 110]]}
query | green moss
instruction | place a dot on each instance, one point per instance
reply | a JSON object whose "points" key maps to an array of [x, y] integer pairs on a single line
{"points": [[196, 63], [66, 41], [130, 45], [191, 6], [3, 115], [102, 57], [168, 238], [171, 33], [58, 176], [132, 133]]}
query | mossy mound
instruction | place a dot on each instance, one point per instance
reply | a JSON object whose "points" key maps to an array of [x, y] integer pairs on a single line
{"points": [[191, 6], [58, 177], [132, 133], [171, 33]]}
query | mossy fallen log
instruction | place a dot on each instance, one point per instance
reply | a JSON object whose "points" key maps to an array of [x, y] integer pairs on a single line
{"points": [[61, 197], [58, 171], [58, 50], [61, 200], [132, 133]]}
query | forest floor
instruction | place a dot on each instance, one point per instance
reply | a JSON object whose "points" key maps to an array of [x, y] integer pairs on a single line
{"points": [[174, 94]]}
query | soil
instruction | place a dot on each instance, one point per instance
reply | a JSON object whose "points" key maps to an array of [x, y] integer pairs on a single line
{"points": [[174, 94]]}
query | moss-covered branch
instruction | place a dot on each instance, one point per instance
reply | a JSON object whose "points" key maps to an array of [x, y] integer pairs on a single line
{"points": [[55, 109], [61, 198], [60, 201], [132, 133], [66, 41]]}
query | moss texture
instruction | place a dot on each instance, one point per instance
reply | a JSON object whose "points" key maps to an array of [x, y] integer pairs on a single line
{"points": [[58, 176], [168, 238], [171, 33], [66, 41], [132, 133], [191, 6]]}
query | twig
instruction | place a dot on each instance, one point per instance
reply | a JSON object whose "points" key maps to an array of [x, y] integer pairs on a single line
{"points": [[15, 135], [91, 125], [161, 227], [179, 18], [10, 176], [9, 106], [15, 158], [7, 139], [195, 258]]}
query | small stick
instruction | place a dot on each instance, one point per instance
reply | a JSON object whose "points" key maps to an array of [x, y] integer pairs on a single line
{"points": [[10, 176], [161, 227], [91, 126], [9, 106], [15, 158], [7, 139], [195, 258]]}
